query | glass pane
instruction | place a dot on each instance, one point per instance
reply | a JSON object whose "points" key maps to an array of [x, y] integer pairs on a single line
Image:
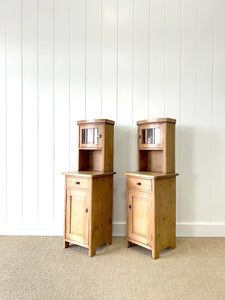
{"points": [[83, 136], [150, 136], [96, 136], [143, 136], [157, 135], [90, 136]]}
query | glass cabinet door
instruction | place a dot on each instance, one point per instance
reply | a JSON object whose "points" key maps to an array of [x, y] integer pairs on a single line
{"points": [[150, 136], [90, 137]]}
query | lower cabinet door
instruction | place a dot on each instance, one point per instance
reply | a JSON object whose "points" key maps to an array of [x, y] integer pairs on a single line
{"points": [[77, 216], [139, 215]]}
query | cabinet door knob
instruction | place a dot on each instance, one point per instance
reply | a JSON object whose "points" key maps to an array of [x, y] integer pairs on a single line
{"points": [[77, 182], [86, 210], [138, 183], [100, 135], [130, 206]]}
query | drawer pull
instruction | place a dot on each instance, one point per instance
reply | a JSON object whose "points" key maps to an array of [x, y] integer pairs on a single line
{"points": [[86, 210], [138, 183], [77, 182], [130, 206]]}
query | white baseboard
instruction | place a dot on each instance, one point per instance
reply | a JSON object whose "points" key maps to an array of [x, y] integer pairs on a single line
{"points": [[119, 229], [183, 229], [200, 230]]}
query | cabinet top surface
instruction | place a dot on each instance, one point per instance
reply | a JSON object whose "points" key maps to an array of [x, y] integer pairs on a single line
{"points": [[88, 173], [96, 121], [147, 174], [158, 120]]}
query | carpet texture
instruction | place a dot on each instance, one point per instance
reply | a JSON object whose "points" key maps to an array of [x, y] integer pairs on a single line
{"points": [[39, 268]]}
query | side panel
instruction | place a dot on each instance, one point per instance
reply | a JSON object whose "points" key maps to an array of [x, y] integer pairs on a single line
{"points": [[165, 212], [101, 225], [109, 148], [169, 153]]}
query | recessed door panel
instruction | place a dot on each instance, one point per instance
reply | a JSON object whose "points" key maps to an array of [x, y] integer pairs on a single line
{"points": [[139, 215], [77, 224]]}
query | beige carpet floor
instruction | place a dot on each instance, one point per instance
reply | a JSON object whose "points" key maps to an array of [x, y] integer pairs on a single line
{"points": [[39, 268]]}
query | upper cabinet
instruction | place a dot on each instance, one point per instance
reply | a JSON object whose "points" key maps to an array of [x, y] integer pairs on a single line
{"points": [[91, 136], [156, 145], [150, 136], [96, 145]]}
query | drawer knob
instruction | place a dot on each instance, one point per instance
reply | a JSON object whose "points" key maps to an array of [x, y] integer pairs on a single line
{"points": [[138, 183], [77, 182], [86, 210], [130, 206]]}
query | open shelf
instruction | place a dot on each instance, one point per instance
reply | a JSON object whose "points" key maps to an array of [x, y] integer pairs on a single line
{"points": [[90, 160], [151, 160]]}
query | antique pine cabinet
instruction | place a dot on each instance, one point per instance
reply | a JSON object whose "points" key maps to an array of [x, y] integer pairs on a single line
{"points": [[89, 191], [151, 191]]}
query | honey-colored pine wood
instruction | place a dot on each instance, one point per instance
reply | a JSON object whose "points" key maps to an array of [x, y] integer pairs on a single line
{"points": [[96, 157], [158, 157], [89, 191], [88, 209], [139, 209], [151, 191], [151, 211]]}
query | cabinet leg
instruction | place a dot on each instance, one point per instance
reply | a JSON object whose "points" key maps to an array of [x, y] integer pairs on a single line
{"points": [[155, 254], [65, 244], [92, 252], [109, 242], [128, 244], [173, 244]]}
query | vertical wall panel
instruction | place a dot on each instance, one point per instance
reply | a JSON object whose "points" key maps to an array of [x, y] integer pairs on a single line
{"points": [[109, 78], [202, 139], [172, 74], [157, 59], [29, 112], [172, 58], [188, 110], [93, 59], [218, 112], [109, 58], [14, 109], [140, 70], [3, 106], [140, 60], [77, 74], [61, 104], [46, 109], [125, 99]]}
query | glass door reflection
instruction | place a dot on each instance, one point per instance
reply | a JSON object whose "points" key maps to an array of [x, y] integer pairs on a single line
{"points": [[150, 136], [90, 136]]}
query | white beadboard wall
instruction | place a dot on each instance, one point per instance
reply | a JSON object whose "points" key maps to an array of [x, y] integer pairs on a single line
{"points": [[126, 60]]}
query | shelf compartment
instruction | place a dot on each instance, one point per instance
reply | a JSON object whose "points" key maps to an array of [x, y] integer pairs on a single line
{"points": [[90, 160], [151, 160]]}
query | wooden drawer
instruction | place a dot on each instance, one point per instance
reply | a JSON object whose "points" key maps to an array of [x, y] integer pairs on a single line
{"points": [[139, 184], [78, 183]]}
